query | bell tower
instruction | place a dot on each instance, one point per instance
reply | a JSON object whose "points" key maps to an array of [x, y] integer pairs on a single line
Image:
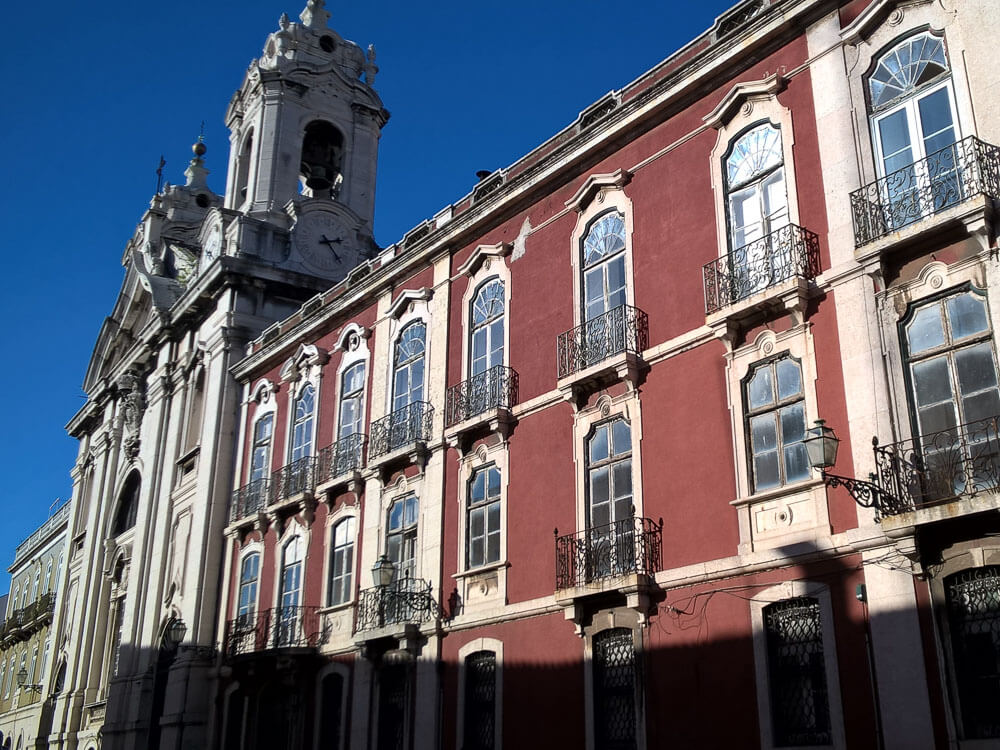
{"points": [[304, 127]]}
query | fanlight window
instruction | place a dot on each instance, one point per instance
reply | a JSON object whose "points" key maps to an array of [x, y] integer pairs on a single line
{"points": [[604, 266], [303, 428], [905, 68], [487, 327], [249, 575], [408, 381], [757, 199]]}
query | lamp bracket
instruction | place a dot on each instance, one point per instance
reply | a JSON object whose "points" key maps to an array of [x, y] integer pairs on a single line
{"points": [[866, 494]]}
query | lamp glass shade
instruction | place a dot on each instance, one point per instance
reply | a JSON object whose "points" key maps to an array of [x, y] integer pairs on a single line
{"points": [[383, 571], [821, 445], [22, 677], [176, 631]]}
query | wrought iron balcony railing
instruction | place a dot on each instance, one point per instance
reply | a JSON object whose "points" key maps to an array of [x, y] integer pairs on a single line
{"points": [[293, 479], [944, 179], [249, 499], [340, 458], [28, 619], [495, 388], [281, 627], [404, 602], [630, 546], [937, 467], [621, 329], [411, 424], [785, 253]]}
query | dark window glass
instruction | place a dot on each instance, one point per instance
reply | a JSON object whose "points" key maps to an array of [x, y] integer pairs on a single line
{"points": [[480, 701], [128, 505], [776, 422], [614, 690], [974, 621], [800, 712]]}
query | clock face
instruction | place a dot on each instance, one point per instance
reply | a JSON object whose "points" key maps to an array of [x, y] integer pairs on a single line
{"points": [[322, 241], [212, 246]]}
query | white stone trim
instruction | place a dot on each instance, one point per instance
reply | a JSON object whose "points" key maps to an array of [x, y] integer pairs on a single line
{"points": [[496, 647], [793, 512], [353, 342], [483, 590], [626, 406], [256, 546], [484, 271], [342, 513], [608, 195], [781, 592]]}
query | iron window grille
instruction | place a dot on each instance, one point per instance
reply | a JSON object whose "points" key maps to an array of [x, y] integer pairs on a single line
{"points": [[623, 329], [495, 388], [786, 253], [614, 690], [479, 724], [800, 711], [406, 426], [393, 705], [973, 601]]}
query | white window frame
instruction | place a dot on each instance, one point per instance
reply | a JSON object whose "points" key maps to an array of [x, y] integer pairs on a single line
{"points": [[353, 345], [254, 548], [304, 368], [292, 530], [781, 592], [262, 402], [486, 262], [334, 522]]}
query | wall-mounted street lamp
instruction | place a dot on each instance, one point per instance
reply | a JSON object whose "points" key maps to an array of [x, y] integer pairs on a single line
{"points": [[174, 633], [22, 682], [383, 572], [821, 447]]}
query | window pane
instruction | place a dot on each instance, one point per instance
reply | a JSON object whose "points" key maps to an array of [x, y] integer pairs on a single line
{"points": [[984, 405], [621, 436], [623, 479], [937, 418], [760, 389], [894, 135], [477, 492], [975, 368], [967, 315], [493, 518], [600, 489], [477, 522], [599, 444], [925, 331], [932, 382], [765, 471], [935, 120], [763, 433], [411, 510], [396, 515], [789, 378], [616, 279], [793, 423], [796, 462], [493, 479]]}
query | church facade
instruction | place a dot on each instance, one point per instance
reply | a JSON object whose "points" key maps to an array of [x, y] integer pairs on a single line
{"points": [[561, 465]]}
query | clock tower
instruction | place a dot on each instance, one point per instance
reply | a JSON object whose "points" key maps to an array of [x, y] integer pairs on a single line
{"points": [[304, 132]]}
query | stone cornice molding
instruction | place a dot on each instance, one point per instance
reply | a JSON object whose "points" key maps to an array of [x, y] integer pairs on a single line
{"points": [[483, 253], [407, 296], [594, 184], [740, 96]]}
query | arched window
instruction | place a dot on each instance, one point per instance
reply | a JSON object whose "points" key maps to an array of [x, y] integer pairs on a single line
{"points": [[486, 347], [249, 575], [756, 198], [401, 540], [322, 149], [483, 518], [340, 588], [243, 170], [352, 388], [260, 461], [776, 423], [196, 409], [408, 375], [128, 505], [37, 583], [302, 429], [48, 576], [913, 119], [604, 266], [289, 629]]}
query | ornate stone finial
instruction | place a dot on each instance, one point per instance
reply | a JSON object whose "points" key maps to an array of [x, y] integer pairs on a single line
{"points": [[196, 173], [283, 22], [370, 67], [315, 15]]}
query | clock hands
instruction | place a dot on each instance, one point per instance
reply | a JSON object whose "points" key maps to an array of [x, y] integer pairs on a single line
{"points": [[324, 240]]}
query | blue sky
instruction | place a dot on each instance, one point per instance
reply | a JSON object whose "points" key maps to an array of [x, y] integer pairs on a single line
{"points": [[96, 92]]}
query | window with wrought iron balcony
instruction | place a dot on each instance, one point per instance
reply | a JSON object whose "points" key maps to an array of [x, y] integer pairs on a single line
{"points": [[486, 397], [768, 257], [285, 627], [395, 606], [929, 178]]}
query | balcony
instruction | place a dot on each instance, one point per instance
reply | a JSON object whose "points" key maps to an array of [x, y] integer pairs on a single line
{"points": [[340, 463], [406, 430], [935, 187], [394, 610], [292, 480], [939, 475], [616, 559], [762, 273], [606, 348], [249, 500], [485, 398], [28, 620], [279, 628]]}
